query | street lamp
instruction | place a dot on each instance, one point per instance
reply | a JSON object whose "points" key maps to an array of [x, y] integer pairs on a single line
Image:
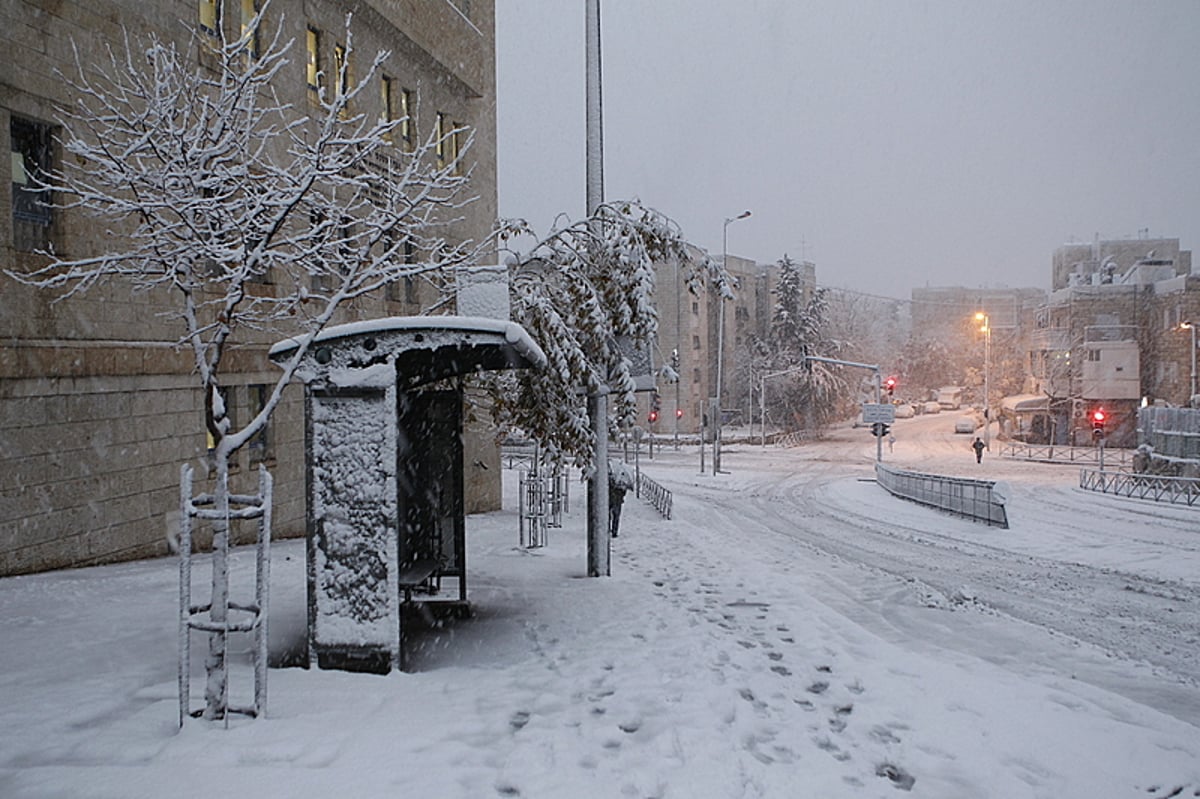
{"points": [[721, 340], [980, 316], [1192, 327]]}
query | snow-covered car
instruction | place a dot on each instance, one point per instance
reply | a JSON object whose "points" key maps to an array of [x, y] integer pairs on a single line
{"points": [[905, 411], [965, 424], [932, 407]]}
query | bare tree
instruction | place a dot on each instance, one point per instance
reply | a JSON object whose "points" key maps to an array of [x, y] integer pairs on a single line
{"points": [[208, 183]]}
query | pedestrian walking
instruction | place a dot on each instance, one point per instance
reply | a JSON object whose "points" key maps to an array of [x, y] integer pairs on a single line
{"points": [[619, 482], [978, 447]]}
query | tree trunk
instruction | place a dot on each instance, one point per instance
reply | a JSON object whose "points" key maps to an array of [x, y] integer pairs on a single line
{"points": [[216, 692]]}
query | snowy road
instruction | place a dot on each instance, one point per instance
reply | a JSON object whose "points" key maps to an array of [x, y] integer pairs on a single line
{"points": [[1107, 580]]}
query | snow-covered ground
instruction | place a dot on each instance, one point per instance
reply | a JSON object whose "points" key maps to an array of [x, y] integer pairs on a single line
{"points": [[793, 632]]}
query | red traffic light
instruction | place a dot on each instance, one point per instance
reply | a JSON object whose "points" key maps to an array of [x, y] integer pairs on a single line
{"points": [[679, 413], [1098, 416], [653, 416], [891, 385]]}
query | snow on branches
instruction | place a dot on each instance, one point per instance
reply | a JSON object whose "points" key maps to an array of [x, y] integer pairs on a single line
{"points": [[798, 330], [252, 213], [580, 291]]}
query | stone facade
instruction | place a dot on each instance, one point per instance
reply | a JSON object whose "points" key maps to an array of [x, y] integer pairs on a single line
{"points": [[98, 407]]}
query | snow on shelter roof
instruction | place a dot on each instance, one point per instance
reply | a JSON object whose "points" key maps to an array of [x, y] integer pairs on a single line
{"points": [[1026, 402], [423, 348]]}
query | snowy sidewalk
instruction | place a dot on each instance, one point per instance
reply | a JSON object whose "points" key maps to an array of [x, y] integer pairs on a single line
{"points": [[703, 667]]}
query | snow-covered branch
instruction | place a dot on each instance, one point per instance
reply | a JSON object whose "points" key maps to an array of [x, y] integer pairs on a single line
{"points": [[580, 290]]}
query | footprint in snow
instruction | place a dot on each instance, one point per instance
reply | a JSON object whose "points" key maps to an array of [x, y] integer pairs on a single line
{"points": [[899, 777]]}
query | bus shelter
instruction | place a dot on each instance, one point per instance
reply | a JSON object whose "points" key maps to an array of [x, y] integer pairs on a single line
{"points": [[384, 472]]}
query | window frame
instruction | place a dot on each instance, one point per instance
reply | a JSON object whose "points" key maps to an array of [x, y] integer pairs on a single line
{"points": [[312, 65]]}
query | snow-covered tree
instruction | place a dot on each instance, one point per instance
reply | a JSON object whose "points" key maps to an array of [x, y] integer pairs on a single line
{"points": [[241, 213], [814, 393], [585, 294]]}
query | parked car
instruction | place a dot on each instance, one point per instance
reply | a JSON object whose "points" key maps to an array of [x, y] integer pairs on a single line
{"points": [[905, 411], [932, 407], [965, 424]]}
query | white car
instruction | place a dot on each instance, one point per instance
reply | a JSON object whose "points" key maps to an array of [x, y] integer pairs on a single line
{"points": [[965, 424]]}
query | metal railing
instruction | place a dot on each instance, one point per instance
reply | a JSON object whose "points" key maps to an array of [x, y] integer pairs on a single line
{"points": [[976, 499], [1063, 453], [795, 438], [518, 457], [1175, 490], [662, 499]]}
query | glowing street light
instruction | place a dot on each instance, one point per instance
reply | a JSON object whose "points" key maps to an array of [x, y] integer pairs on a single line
{"points": [[1190, 326], [986, 329]]}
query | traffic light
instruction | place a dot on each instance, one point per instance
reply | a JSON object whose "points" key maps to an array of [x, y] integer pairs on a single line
{"points": [[655, 406], [679, 413], [879, 429], [891, 385], [1099, 417]]}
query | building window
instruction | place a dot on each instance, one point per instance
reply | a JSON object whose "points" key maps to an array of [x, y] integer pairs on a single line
{"points": [[387, 106], [249, 29], [695, 342], [260, 444], [458, 143], [210, 17], [407, 123], [695, 309], [313, 63], [405, 289], [443, 146], [32, 160]]}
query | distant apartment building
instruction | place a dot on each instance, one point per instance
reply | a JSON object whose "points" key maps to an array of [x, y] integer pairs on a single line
{"points": [[945, 318], [1114, 336], [98, 406], [690, 334], [1103, 260]]}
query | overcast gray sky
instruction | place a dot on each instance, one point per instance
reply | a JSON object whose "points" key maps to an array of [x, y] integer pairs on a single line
{"points": [[895, 144]]}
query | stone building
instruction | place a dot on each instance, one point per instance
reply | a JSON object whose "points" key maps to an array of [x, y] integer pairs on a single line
{"points": [[98, 406], [1115, 340], [689, 336], [1097, 263]]}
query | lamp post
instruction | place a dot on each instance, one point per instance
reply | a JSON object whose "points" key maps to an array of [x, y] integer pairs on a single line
{"points": [[987, 361], [1192, 327], [721, 341]]}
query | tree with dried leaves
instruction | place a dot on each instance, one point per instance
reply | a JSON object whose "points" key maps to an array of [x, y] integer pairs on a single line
{"points": [[585, 293]]}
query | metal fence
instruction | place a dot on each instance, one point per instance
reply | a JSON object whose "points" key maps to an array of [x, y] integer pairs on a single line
{"points": [[1176, 490], [796, 438], [976, 499], [518, 457], [1172, 433], [656, 495], [1062, 453]]}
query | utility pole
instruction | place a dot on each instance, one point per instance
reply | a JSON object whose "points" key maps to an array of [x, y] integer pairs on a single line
{"points": [[599, 549]]}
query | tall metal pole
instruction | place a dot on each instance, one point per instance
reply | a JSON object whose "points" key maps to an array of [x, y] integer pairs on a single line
{"points": [[762, 408], [1193, 327], [721, 342], [987, 365], [599, 544]]}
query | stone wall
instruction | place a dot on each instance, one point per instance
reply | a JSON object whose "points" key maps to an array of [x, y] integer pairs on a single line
{"points": [[98, 406]]}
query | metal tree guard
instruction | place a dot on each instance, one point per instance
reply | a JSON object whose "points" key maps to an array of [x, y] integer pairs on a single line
{"points": [[251, 618]]}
